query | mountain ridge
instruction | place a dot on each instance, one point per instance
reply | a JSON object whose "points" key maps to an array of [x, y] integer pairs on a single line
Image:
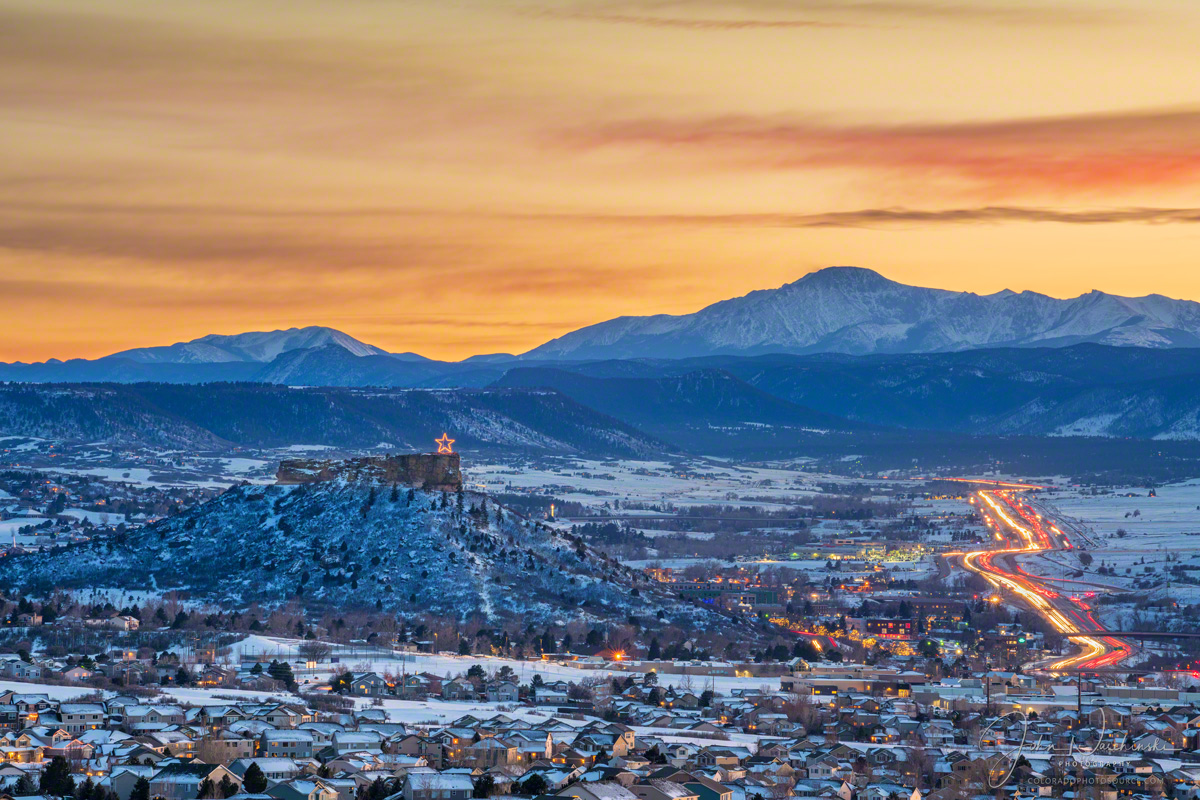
{"points": [[221, 415], [858, 311], [850, 310], [256, 346]]}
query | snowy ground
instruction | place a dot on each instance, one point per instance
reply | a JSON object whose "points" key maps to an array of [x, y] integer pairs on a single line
{"points": [[442, 664], [137, 476], [192, 696], [450, 665], [595, 482], [96, 517], [1160, 533], [9, 528], [54, 692], [429, 713]]}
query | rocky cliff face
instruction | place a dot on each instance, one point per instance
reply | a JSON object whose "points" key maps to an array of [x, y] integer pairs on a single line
{"points": [[435, 473]]}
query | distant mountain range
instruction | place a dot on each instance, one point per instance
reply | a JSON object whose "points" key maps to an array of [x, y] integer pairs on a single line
{"points": [[842, 351], [858, 311], [846, 310], [738, 406]]}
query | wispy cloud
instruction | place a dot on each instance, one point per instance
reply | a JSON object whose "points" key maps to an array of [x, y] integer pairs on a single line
{"points": [[254, 246], [768, 14], [697, 24], [1104, 151], [893, 217], [881, 217]]}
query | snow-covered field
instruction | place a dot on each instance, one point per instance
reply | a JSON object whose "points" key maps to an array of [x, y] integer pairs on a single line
{"points": [[9, 528], [54, 692], [595, 482], [1170, 519], [139, 476], [95, 517], [450, 665], [193, 696], [1142, 539], [244, 466]]}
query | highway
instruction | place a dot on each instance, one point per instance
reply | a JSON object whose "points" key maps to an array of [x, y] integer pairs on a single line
{"points": [[1019, 530]]}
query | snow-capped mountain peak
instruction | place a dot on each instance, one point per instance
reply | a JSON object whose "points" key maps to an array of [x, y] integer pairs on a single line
{"points": [[856, 310], [258, 346]]}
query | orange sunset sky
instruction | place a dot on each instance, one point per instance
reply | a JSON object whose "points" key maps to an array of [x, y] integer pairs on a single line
{"points": [[454, 177]]}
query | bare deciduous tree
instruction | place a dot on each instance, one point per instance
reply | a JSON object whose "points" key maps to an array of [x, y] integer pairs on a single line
{"points": [[314, 650]]}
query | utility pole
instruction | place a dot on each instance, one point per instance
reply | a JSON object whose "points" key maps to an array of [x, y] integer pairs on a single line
{"points": [[987, 677]]}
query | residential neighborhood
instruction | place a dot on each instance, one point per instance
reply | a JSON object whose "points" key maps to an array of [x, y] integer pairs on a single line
{"points": [[635, 735]]}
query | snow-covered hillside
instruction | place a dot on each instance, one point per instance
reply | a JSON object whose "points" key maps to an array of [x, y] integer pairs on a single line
{"points": [[854, 310], [358, 544], [221, 416]]}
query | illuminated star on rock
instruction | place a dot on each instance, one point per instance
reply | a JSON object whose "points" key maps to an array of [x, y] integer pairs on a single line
{"points": [[444, 444]]}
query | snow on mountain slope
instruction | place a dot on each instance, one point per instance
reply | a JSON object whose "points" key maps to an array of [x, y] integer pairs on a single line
{"points": [[258, 346], [223, 415], [854, 310]]}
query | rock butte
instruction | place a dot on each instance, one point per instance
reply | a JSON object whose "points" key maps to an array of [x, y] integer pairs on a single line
{"points": [[431, 472]]}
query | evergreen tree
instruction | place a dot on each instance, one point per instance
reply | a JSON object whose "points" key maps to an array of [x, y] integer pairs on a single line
{"points": [[484, 786], [85, 790], [141, 790], [655, 651], [253, 781], [206, 790], [226, 788], [534, 785], [378, 790], [56, 779], [341, 683], [282, 672]]}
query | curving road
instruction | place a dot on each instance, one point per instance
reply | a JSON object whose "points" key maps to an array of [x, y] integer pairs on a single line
{"points": [[1020, 531]]}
